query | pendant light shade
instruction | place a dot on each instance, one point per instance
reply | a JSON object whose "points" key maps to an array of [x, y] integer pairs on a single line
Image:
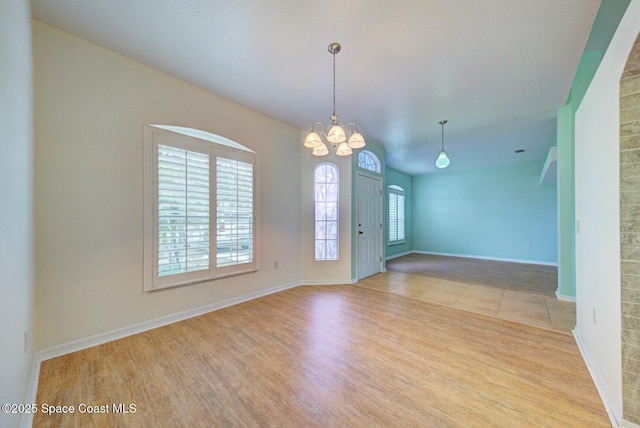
{"points": [[356, 141], [336, 135], [343, 149], [443, 160], [313, 140], [321, 150]]}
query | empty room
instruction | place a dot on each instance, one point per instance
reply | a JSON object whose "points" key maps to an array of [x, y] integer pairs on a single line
{"points": [[304, 213]]}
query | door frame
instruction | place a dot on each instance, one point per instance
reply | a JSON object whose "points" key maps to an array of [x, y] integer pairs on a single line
{"points": [[380, 204]]}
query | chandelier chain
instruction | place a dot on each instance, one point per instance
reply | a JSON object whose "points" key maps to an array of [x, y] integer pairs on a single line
{"points": [[334, 84]]}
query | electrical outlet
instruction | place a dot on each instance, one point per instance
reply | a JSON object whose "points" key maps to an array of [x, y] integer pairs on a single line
{"points": [[527, 247]]}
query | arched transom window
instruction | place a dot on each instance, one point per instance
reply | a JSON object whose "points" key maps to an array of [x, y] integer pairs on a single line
{"points": [[368, 161]]}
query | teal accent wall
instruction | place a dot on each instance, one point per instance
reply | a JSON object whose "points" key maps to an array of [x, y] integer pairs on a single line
{"points": [[584, 74], [604, 27], [395, 177], [566, 173], [490, 212], [566, 202]]}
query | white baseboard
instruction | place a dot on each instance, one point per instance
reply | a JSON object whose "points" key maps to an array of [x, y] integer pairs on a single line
{"points": [[109, 336], [98, 339], [564, 297], [332, 282], [615, 416], [497, 259], [32, 392], [395, 256], [626, 424]]}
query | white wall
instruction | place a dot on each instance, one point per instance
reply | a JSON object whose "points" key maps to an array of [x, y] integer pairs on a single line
{"points": [[90, 108], [597, 210], [16, 213], [324, 272]]}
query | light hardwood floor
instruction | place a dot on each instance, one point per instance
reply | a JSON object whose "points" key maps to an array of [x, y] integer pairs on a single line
{"points": [[321, 356], [527, 277], [528, 308]]}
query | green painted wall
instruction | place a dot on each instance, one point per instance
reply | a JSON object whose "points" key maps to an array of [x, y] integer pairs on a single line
{"points": [[566, 203], [586, 70], [405, 181], [490, 212], [566, 173]]}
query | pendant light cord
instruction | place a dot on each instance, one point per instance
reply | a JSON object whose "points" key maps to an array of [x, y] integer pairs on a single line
{"points": [[442, 122]]}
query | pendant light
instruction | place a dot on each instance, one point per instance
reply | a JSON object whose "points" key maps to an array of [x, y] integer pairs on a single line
{"points": [[336, 136], [442, 161]]}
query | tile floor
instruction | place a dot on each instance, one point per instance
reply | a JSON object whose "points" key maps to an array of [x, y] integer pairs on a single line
{"points": [[527, 308]]}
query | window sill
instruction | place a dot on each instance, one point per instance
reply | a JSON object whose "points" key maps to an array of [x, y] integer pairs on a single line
{"points": [[200, 280]]}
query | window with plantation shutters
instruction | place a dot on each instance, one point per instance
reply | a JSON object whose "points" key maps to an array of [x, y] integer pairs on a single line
{"points": [[183, 211], [234, 212], [396, 215], [200, 207]]}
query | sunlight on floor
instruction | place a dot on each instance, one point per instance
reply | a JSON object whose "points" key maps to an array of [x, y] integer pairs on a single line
{"points": [[527, 308]]}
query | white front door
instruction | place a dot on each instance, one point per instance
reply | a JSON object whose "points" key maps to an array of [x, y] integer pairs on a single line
{"points": [[369, 226]]}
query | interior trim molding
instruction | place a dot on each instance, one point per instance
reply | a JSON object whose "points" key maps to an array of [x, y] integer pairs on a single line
{"points": [[626, 424], [32, 392], [329, 282], [497, 259], [603, 389], [395, 256], [564, 297], [99, 339]]}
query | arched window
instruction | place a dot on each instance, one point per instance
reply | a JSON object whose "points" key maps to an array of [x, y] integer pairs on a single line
{"points": [[369, 161], [200, 204], [326, 181], [396, 215]]}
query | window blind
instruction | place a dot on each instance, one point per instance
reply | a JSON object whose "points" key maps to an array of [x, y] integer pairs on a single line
{"points": [[183, 211], [234, 212], [200, 207], [396, 216]]}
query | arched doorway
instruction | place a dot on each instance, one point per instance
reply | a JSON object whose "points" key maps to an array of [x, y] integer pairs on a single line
{"points": [[629, 232]]}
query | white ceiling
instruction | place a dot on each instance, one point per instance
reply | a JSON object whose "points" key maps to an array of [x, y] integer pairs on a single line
{"points": [[496, 69]]}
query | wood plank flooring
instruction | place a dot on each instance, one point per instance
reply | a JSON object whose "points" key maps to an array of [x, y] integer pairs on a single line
{"points": [[322, 356], [528, 308], [529, 278]]}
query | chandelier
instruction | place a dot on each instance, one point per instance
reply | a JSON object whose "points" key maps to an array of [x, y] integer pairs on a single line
{"points": [[336, 136], [443, 160]]}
